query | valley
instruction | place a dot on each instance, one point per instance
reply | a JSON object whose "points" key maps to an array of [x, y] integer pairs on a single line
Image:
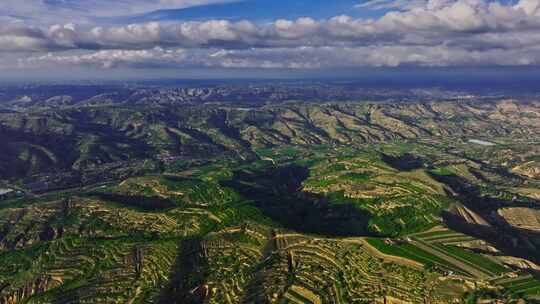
{"points": [[292, 202]]}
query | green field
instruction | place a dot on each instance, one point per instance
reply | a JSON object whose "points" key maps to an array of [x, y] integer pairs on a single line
{"points": [[472, 259], [433, 234], [414, 253], [528, 285]]}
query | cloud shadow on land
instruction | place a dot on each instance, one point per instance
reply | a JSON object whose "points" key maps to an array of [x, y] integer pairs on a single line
{"points": [[188, 275], [277, 192], [405, 162]]}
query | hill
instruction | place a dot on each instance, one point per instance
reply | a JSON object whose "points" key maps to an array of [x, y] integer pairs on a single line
{"points": [[283, 203]]}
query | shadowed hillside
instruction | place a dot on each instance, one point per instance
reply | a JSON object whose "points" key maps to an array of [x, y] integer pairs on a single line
{"points": [[277, 193]]}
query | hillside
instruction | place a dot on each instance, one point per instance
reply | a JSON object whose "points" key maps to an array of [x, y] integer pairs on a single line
{"points": [[282, 203], [80, 140]]}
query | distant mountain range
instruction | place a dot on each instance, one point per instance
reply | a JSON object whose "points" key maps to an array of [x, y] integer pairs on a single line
{"points": [[97, 134], [20, 98]]}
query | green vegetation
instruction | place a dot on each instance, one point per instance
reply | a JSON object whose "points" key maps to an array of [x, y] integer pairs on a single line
{"points": [[442, 171], [219, 205], [414, 253], [522, 285], [474, 259], [357, 177]]}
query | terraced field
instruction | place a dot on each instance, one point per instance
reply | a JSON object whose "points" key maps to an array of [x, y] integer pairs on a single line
{"points": [[401, 202], [328, 224], [444, 236], [524, 284], [522, 218], [415, 253], [91, 271], [440, 249], [447, 243], [331, 271]]}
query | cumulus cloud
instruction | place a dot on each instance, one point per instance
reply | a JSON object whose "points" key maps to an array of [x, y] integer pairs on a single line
{"points": [[428, 33], [436, 21], [291, 58], [108, 58]]}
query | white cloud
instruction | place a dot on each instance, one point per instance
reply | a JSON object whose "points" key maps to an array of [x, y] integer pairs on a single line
{"points": [[531, 7], [107, 58], [291, 58], [432, 33], [49, 11], [438, 22]]}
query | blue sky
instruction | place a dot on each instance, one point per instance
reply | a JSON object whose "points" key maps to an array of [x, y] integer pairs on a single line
{"points": [[265, 10], [268, 10], [312, 36]]}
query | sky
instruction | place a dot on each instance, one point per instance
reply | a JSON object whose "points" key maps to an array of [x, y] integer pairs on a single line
{"points": [[214, 38]]}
